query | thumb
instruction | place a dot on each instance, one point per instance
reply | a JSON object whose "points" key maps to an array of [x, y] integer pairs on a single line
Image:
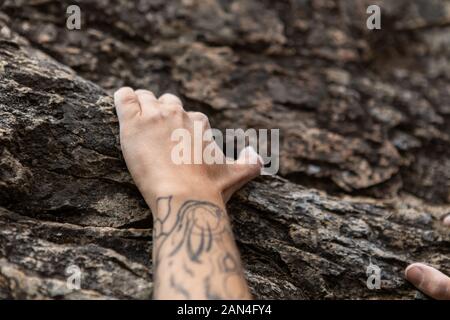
{"points": [[429, 280], [245, 168]]}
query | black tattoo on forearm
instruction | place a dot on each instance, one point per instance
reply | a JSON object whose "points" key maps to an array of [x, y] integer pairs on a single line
{"points": [[198, 239]]}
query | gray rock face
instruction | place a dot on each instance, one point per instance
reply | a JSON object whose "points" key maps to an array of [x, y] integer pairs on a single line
{"points": [[369, 124]]}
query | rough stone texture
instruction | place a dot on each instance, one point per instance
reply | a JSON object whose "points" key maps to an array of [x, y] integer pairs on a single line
{"points": [[363, 115]]}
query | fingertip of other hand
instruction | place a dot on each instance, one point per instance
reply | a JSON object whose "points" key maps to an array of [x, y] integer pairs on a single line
{"points": [[446, 221]]}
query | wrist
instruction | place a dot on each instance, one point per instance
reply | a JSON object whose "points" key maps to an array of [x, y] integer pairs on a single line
{"points": [[181, 194]]}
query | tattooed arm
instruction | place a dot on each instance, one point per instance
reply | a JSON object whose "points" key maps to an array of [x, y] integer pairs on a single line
{"points": [[194, 253]]}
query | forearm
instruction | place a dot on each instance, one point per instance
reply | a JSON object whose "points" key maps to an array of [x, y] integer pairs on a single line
{"points": [[194, 252]]}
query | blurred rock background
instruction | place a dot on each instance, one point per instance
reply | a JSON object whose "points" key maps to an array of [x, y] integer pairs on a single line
{"points": [[361, 113]]}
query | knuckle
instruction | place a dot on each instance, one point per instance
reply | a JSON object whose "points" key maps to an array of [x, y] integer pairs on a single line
{"points": [[129, 99], [203, 117], [167, 95], [199, 116], [155, 116], [170, 98], [123, 91], [142, 92], [175, 108]]}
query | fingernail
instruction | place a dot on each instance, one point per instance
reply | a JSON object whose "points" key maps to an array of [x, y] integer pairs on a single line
{"points": [[447, 221], [252, 153], [260, 159], [415, 275]]}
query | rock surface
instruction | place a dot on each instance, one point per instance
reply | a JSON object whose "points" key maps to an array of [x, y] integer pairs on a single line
{"points": [[364, 116]]}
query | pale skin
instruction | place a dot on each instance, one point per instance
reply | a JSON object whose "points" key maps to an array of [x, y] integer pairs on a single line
{"points": [[429, 280], [194, 252]]}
